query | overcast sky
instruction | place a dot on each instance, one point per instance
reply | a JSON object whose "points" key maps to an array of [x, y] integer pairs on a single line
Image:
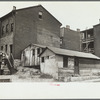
{"points": [[76, 14]]}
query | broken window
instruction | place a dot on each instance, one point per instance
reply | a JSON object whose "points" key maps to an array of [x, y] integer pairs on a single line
{"points": [[12, 27], [40, 15], [42, 60], [7, 28]]}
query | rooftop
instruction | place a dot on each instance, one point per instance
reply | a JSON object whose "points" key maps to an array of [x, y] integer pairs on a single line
{"points": [[29, 8], [72, 53]]}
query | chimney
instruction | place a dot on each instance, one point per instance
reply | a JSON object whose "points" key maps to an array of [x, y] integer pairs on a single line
{"points": [[14, 8], [67, 26], [78, 30]]}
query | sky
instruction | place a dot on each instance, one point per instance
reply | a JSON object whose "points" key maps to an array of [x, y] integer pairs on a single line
{"points": [[82, 15]]}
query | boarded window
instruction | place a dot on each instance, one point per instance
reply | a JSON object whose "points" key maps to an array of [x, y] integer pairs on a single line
{"points": [[71, 62], [11, 48], [42, 59], [40, 15], [12, 27]]}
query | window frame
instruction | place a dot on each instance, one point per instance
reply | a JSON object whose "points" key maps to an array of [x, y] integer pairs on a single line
{"points": [[42, 59], [7, 28], [40, 15]]}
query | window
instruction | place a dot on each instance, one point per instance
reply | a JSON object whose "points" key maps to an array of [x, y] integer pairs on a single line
{"points": [[5, 48], [61, 42], [38, 51], [42, 59], [11, 48], [2, 30], [89, 36], [33, 51], [1, 47], [40, 15], [7, 28], [82, 36], [12, 27]]}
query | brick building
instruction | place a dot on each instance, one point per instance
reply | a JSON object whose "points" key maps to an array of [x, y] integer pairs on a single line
{"points": [[21, 27], [87, 40], [70, 39], [91, 40]]}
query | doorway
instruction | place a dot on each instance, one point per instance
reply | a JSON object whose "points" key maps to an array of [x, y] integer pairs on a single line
{"points": [[65, 61]]}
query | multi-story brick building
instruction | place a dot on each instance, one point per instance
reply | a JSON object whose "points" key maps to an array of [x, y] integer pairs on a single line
{"points": [[91, 40], [70, 39], [21, 27]]}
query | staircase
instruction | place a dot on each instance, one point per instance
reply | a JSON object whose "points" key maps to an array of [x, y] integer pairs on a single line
{"points": [[7, 66]]}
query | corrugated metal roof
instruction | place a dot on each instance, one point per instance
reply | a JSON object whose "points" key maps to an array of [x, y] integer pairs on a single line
{"points": [[72, 53]]}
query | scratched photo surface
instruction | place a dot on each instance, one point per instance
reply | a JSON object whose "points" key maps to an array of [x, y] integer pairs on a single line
{"points": [[49, 42]]}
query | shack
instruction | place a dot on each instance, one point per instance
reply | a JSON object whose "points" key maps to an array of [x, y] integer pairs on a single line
{"points": [[61, 62], [29, 56]]}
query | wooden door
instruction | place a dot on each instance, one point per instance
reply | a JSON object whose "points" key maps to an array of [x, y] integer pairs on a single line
{"points": [[76, 66]]}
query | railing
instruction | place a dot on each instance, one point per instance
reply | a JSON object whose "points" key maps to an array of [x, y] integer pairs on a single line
{"points": [[88, 39], [89, 50]]}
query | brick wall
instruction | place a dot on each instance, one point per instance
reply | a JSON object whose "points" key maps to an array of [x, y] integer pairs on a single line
{"points": [[7, 37], [71, 39], [97, 40], [29, 29], [48, 30]]}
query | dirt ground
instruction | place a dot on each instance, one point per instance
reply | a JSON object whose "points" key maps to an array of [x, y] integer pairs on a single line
{"points": [[25, 74]]}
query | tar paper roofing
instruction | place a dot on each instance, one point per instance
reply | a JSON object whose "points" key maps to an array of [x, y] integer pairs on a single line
{"points": [[72, 53]]}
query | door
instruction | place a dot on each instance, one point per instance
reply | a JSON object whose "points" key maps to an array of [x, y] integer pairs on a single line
{"points": [[76, 67], [65, 61]]}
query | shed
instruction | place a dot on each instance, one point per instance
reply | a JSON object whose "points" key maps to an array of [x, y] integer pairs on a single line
{"points": [[29, 56], [56, 62]]}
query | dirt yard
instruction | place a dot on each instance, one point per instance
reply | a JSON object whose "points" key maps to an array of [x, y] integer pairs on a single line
{"points": [[25, 74]]}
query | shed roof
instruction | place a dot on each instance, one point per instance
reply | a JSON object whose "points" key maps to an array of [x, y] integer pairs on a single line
{"points": [[32, 44], [39, 45], [72, 53]]}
